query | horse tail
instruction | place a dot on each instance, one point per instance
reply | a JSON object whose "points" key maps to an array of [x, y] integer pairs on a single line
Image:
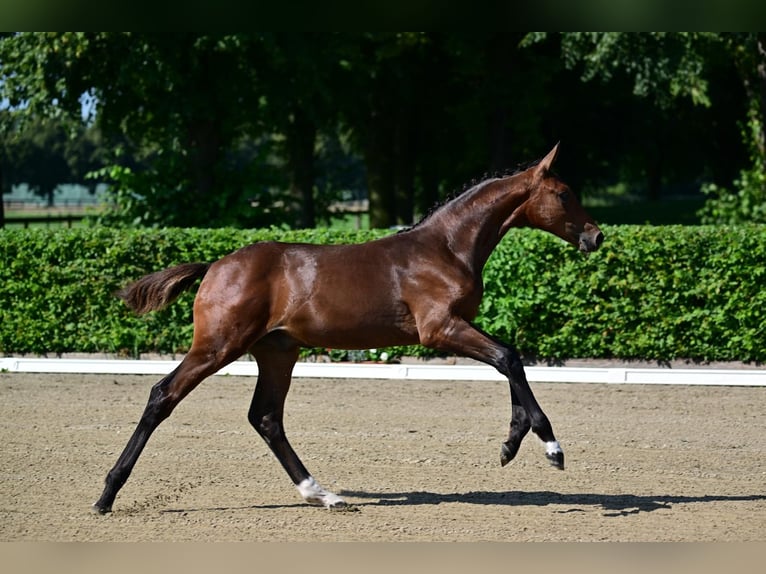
{"points": [[157, 290]]}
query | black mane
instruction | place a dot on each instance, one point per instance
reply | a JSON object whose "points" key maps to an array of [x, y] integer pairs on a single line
{"points": [[498, 174]]}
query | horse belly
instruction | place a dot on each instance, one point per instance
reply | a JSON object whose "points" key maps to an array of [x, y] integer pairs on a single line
{"points": [[352, 321], [345, 297]]}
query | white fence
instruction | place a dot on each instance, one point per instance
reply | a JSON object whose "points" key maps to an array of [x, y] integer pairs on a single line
{"points": [[644, 376]]}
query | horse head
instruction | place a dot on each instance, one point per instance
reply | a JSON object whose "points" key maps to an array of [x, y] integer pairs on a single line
{"points": [[553, 207]]}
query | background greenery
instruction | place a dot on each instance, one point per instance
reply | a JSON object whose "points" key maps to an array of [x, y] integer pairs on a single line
{"points": [[659, 293], [269, 131], [259, 129]]}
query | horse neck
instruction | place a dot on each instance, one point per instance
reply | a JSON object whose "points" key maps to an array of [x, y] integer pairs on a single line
{"points": [[474, 223]]}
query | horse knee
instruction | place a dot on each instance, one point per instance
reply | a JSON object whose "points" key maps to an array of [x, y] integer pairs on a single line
{"points": [[511, 365]]}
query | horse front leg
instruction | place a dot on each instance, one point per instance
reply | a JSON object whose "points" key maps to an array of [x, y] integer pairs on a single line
{"points": [[459, 336], [527, 413], [520, 425], [266, 414]]}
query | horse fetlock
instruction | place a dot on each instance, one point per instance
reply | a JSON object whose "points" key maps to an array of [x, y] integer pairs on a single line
{"points": [[315, 495], [100, 509]]}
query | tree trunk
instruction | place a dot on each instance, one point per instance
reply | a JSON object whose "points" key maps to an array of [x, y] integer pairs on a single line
{"points": [[204, 147], [380, 190], [500, 64], [380, 181], [430, 187], [404, 172], [498, 153], [654, 176], [2, 201], [301, 137], [761, 71]]}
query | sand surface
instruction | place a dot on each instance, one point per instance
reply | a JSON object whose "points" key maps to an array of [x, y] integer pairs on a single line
{"points": [[419, 460]]}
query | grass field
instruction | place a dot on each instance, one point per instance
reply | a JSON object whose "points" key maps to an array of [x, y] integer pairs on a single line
{"points": [[46, 216]]}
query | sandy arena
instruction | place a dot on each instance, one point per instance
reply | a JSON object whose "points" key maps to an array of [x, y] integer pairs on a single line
{"points": [[418, 460]]}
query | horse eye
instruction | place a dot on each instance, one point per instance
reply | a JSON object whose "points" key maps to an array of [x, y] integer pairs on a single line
{"points": [[564, 196]]}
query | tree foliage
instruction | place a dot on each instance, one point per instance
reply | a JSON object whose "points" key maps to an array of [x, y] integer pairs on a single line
{"points": [[666, 67], [48, 154], [259, 128], [661, 65], [745, 198]]}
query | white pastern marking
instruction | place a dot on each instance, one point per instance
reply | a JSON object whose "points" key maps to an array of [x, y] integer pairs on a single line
{"points": [[313, 493], [552, 447]]}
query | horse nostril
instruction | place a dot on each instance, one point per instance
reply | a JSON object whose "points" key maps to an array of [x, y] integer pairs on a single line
{"points": [[599, 239]]}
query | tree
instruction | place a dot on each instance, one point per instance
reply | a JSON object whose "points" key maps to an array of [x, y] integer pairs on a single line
{"points": [[49, 153], [208, 115], [183, 98], [378, 109], [180, 98], [44, 146], [2, 186], [746, 199], [669, 70], [298, 73], [24, 94], [429, 112], [219, 122]]}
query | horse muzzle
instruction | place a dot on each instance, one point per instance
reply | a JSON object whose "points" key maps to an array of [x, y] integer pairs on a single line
{"points": [[590, 239]]}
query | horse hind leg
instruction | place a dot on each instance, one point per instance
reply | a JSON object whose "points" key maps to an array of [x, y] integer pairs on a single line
{"points": [[164, 396], [275, 365]]}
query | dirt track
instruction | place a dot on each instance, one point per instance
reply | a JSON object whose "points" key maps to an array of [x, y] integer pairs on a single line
{"points": [[420, 460]]}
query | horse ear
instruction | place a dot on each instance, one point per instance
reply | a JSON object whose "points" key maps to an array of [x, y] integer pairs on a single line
{"points": [[546, 163]]}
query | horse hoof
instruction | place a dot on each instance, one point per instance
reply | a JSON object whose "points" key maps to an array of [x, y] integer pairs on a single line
{"points": [[507, 453], [96, 509], [556, 459]]}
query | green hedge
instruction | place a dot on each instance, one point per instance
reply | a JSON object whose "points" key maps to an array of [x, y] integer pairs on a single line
{"points": [[658, 293]]}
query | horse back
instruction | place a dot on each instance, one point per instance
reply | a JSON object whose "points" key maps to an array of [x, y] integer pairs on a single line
{"points": [[343, 296]]}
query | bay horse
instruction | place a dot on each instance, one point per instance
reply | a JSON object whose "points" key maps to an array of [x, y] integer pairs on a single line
{"points": [[420, 286]]}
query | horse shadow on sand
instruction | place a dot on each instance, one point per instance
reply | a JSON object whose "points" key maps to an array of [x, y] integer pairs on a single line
{"points": [[612, 504]]}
